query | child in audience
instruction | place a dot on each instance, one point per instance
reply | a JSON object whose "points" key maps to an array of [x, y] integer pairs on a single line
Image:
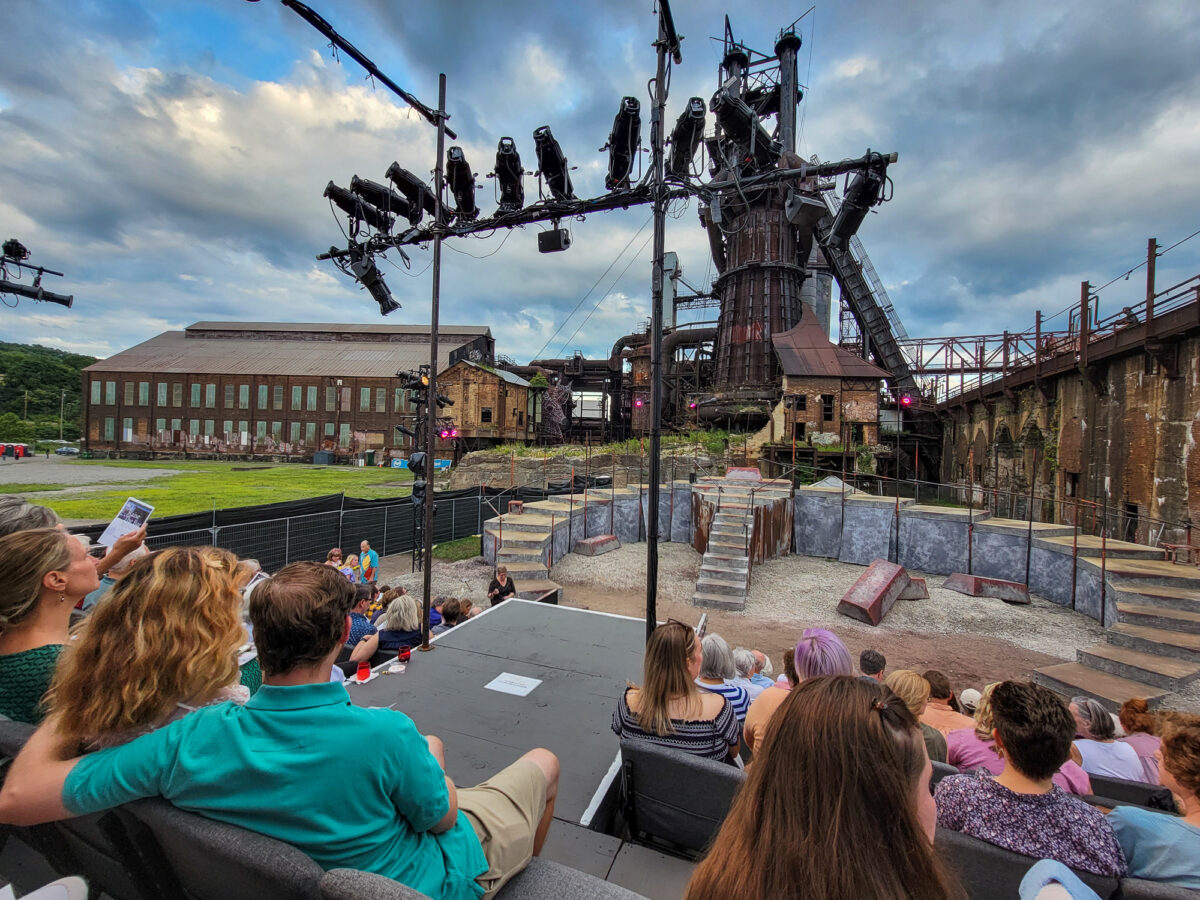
{"points": [[1021, 809], [973, 750], [668, 709], [1096, 749], [837, 807], [1139, 734], [1158, 846], [163, 644], [913, 689]]}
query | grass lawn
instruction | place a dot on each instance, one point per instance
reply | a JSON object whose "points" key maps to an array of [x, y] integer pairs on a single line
{"points": [[453, 551], [200, 485]]}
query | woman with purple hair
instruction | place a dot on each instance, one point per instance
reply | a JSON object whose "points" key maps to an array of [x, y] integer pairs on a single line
{"points": [[819, 652]]}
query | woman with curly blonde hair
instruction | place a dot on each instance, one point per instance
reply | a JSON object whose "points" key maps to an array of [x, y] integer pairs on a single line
{"points": [[164, 643]]}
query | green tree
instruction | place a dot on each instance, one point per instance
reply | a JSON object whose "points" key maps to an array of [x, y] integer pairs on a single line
{"points": [[14, 431]]}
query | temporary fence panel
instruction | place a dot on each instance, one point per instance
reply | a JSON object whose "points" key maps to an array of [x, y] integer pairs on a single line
{"points": [[265, 541]]}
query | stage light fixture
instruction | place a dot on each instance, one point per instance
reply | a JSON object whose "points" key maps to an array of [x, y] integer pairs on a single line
{"points": [[553, 164], [863, 193], [406, 431], [358, 208], [420, 198], [742, 128], [461, 180], [906, 400], [555, 240], [510, 174], [693, 405], [622, 143], [380, 196], [365, 272], [639, 402], [686, 137]]}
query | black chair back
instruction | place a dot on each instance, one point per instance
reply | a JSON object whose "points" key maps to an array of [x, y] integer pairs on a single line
{"points": [[989, 872], [675, 797], [1132, 793], [216, 861], [940, 771], [1140, 889]]}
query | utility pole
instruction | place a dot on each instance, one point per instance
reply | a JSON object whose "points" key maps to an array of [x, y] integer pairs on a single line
{"points": [[26, 416], [61, 403]]}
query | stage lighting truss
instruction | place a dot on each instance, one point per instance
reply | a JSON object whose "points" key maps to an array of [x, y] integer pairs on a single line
{"points": [[461, 181], [685, 138], [552, 165], [381, 197], [510, 175], [624, 141], [13, 253]]}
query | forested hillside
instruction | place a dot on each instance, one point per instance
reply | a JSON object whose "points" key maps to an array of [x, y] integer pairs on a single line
{"points": [[33, 381]]}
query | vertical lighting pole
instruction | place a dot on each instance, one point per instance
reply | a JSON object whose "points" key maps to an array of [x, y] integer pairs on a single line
{"points": [[431, 406], [61, 402], [668, 42]]}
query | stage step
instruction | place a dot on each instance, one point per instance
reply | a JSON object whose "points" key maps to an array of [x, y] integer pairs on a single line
{"points": [[1182, 598], [1177, 620], [1161, 641], [1171, 674], [718, 601], [1073, 679], [1091, 547], [1146, 572], [529, 540], [711, 585], [520, 570]]}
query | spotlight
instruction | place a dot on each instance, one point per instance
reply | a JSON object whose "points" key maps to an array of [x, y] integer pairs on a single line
{"points": [[15, 250], [639, 402], [444, 433], [693, 405], [363, 267], [553, 164], [380, 196], [461, 180], [906, 400], [407, 432], [742, 128], [685, 138], [554, 241], [357, 208], [623, 143], [510, 174], [861, 195], [420, 198]]}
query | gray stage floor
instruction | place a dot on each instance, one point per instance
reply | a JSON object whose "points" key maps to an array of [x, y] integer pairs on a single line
{"points": [[583, 659]]}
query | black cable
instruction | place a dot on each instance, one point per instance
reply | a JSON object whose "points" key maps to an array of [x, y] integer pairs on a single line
{"points": [[611, 287]]}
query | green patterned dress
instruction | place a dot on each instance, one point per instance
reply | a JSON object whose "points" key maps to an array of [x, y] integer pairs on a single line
{"points": [[24, 678]]}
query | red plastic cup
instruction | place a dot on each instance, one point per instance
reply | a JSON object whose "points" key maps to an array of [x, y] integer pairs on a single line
{"points": [[364, 670], [405, 654]]}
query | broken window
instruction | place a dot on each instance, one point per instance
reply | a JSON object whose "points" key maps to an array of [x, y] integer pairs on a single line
{"points": [[485, 415], [827, 407]]}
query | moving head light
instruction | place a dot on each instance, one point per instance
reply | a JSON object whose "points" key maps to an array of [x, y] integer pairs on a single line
{"points": [[685, 138], [743, 129], [380, 196], [553, 164], [623, 142], [461, 180], [510, 174], [357, 208], [420, 198]]}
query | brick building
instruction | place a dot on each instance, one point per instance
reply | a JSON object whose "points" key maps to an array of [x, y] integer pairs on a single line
{"points": [[262, 389], [491, 406]]}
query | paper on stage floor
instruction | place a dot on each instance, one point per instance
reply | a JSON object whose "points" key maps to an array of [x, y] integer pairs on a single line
{"points": [[508, 683]]}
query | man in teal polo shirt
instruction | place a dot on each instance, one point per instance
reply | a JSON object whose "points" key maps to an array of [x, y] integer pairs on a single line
{"points": [[351, 787]]}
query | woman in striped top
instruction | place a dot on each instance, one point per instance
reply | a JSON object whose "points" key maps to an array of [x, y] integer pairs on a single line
{"points": [[716, 671], [668, 709]]}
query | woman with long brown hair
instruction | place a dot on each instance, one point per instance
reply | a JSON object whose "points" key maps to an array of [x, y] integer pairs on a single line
{"points": [[163, 643], [836, 805], [44, 572], [668, 708]]}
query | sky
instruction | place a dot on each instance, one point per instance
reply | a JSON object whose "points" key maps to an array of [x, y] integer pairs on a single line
{"points": [[169, 156]]}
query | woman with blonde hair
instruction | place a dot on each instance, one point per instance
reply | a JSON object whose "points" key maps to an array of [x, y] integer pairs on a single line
{"points": [[44, 572], [400, 626], [668, 708], [914, 690], [164, 643]]}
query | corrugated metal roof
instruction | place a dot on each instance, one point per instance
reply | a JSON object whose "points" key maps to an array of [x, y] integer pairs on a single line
{"points": [[504, 375], [806, 351], [327, 327], [172, 352]]}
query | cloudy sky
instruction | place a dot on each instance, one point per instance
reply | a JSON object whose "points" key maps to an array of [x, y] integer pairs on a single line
{"points": [[169, 155]]}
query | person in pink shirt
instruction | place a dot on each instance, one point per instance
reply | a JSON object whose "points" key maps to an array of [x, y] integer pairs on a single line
{"points": [[971, 749], [942, 712], [1139, 734]]}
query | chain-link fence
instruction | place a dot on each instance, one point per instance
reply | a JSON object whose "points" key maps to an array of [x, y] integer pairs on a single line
{"points": [[277, 542]]}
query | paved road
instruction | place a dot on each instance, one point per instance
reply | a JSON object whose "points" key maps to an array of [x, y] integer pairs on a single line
{"points": [[65, 471]]}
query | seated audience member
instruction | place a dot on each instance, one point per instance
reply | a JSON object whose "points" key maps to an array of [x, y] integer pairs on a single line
{"points": [[669, 709], [973, 749], [350, 569], [109, 579], [820, 652], [360, 627], [1096, 749], [167, 642], [502, 587], [717, 671], [744, 664], [1158, 846], [969, 701], [1139, 734], [942, 712], [1021, 809], [871, 664], [837, 807], [452, 614], [763, 670], [401, 627], [43, 574], [242, 765], [913, 689]]}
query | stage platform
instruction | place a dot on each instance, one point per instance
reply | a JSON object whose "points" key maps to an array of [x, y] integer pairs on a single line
{"points": [[583, 660]]}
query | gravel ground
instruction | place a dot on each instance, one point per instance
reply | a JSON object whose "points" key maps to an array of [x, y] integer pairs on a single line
{"points": [[60, 470]]}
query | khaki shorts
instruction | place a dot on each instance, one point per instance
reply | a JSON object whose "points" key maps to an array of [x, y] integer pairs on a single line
{"points": [[505, 811]]}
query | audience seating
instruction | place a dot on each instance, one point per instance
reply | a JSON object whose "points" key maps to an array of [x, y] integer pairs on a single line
{"points": [[216, 861], [1119, 792], [1140, 889], [988, 871], [675, 797], [541, 880], [940, 771]]}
